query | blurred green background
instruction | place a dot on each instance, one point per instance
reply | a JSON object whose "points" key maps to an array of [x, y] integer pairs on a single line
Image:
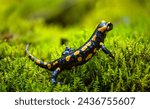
{"points": [[46, 23], [20, 18]]}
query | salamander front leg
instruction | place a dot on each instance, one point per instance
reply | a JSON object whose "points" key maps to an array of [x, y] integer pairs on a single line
{"points": [[67, 51], [106, 51], [54, 75]]}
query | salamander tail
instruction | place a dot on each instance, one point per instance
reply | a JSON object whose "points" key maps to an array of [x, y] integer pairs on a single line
{"points": [[46, 65]]}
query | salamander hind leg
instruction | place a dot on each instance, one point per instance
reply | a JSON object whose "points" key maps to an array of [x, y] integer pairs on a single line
{"points": [[67, 51], [54, 75]]}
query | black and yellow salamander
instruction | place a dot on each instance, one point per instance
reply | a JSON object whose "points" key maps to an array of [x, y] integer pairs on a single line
{"points": [[71, 58]]}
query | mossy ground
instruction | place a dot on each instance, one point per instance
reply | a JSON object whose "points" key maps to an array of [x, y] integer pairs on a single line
{"points": [[24, 22]]}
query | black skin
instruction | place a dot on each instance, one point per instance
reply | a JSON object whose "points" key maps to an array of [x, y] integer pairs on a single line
{"points": [[71, 58]]}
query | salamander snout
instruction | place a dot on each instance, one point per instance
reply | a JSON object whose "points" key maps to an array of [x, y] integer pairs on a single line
{"points": [[109, 26]]}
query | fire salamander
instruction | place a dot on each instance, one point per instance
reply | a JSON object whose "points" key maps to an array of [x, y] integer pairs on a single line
{"points": [[71, 58]]}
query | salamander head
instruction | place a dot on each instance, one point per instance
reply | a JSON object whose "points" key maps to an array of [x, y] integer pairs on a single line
{"points": [[105, 26]]}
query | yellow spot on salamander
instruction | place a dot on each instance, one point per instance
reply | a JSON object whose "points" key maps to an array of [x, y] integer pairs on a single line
{"points": [[38, 61], [88, 44], [88, 57], [102, 29], [94, 38], [79, 59], [68, 58], [49, 66], [101, 43], [76, 53], [58, 69], [56, 62], [45, 63], [94, 51], [84, 48]]}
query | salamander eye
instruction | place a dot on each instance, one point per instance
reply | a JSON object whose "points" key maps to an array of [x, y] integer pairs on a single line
{"points": [[109, 26]]}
